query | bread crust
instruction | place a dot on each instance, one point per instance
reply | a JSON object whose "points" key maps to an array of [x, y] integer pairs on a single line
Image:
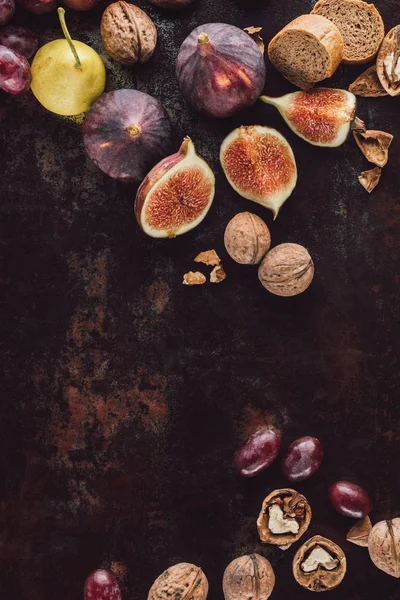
{"points": [[324, 31], [362, 5], [386, 48]]}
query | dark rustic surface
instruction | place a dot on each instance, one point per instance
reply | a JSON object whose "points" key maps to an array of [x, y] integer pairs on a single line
{"points": [[125, 394]]}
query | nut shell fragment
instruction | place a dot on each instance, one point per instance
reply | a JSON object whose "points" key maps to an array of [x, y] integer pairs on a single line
{"points": [[129, 35], [247, 238], [295, 510], [287, 270], [359, 533], [194, 278], [370, 179], [250, 577], [254, 33], [388, 62], [319, 564], [374, 145], [217, 274], [384, 546], [368, 84], [183, 581], [209, 258]]}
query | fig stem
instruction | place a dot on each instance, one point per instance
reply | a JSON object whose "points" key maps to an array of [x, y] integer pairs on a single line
{"points": [[61, 16], [133, 130], [203, 38], [269, 100]]}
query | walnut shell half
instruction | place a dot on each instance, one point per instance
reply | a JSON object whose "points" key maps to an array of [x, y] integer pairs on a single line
{"points": [[319, 564], [129, 35], [251, 577], [384, 546], [183, 581], [285, 515]]}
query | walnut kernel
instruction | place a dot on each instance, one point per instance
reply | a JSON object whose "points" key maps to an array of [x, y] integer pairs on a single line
{"points": [[209, 258], [194, 278], [217, 274]]}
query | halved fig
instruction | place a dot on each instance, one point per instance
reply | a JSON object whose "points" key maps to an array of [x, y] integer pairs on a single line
{"points": [[260, 165], [125, 133], [321, 117], [176, 195], [285, 515]]}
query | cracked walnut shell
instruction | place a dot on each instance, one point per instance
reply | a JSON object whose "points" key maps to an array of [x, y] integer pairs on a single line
{"points": [[287, 270], [251, 577], [374, 144], [183, 581], [319, 564], [384, 546], [129, 35], [285, 515]]}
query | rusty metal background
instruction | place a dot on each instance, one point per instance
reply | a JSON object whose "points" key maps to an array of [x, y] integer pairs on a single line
{"points": [[125, 394]]}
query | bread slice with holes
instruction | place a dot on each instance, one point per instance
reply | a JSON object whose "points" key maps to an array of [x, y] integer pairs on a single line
{"points": [[307, 50], [359, 23]]}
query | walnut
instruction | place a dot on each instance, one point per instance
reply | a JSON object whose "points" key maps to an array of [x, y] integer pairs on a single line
{"points": [[319, 564], [388, 62], [384, 546], [194, 278], [183, 581], [217, 274], [359, 533], [287, 270], [209, 258], [370, 179], [250, 577], [374, 145], [129, 35], [247, 238], [368, 84], [285, 515]]}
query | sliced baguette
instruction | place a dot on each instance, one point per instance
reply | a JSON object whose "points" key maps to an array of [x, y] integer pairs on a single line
{"points": [[359, 23], [307, 50]]}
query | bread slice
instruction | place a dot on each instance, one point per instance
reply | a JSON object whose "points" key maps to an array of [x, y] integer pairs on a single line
{"points": [[359, 23], [307, 50]]}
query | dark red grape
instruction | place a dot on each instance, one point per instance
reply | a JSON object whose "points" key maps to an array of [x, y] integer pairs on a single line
{"points": [[81, 4], [15, 72], [258, 453], [302, 459], [7, 10], [350, 499], [101, 585], [38, 7], [19, 39]]}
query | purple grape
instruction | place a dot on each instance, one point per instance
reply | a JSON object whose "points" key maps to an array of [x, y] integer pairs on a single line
{"points": [[302, 459], [19, 39], [258, 452], [38, 7], [101, 585], [350, 499], [7, 10], [15, 72]]}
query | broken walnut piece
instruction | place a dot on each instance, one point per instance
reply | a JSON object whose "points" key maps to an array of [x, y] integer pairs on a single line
{"points": [[374, 145], [358, 124], [254, 33], [388, 62], [368, 85], [319, 564], [194, 278], [217, 274], [285, 515], [359, 533], [370, 179], [209, 258]]}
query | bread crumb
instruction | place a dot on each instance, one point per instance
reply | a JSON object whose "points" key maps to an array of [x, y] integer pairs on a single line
{"points": [[370, 179], [194, 278], [209, 258], [217, 274]]}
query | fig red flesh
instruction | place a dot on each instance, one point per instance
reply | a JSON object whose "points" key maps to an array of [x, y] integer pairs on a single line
{"points": [[220, 69], [258, 452], [125, 133]]}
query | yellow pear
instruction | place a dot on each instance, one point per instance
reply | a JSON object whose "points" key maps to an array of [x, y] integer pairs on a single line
{"points": [[67, 76]]}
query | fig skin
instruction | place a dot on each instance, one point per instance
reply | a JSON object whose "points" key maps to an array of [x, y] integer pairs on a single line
{"points": [[126, 133], [169, 204], [220, 70], [321, 117]]}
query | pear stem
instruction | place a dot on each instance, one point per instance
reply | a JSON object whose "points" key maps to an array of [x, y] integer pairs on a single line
{"points": [[61, 16]]}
